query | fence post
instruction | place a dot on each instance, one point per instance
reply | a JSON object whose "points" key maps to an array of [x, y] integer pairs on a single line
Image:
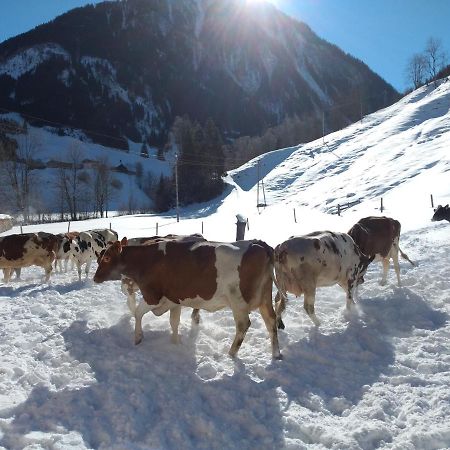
{"points": [[110, 226], [295, 217], [68, 227], [381, 207], [432, 203], [156, 228], [21, 231], [202, 226], [240, 227], [339, 209]]}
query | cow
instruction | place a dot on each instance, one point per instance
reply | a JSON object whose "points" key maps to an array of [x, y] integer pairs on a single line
{"points": [[205, 275], [129, 287], [379, 237], [87, 247], [441, 213], [63, 250], [321, 258], [28, 249]]}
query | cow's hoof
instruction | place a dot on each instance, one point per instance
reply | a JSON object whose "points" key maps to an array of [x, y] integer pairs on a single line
{"points": [[278, 357], [175, 339], [137, 340], [280, 325]]}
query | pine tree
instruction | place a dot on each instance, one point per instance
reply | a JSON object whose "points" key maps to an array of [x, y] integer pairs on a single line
{"points": [[163, 194]]}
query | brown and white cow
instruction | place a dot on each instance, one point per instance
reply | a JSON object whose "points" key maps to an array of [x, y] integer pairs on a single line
{"points": [[205, 275], [130, 288], [321, 258], [379, 237], [24, 250]]}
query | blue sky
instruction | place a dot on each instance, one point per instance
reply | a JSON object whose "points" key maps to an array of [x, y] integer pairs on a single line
{"points": [[382, 33]]}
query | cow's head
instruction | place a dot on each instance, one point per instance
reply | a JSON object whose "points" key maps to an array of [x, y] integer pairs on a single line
{"points": [[364, 262], [110, 262], [441, 213]]}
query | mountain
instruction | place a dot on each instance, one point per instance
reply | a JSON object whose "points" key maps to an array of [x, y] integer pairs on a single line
{"points": [[128, 68], [374, 377]]}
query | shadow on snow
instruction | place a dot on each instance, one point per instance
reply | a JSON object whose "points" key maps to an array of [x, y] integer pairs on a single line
{"points": [[150, 396]]}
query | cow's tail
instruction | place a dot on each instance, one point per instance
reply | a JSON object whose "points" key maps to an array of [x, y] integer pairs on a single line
{"points": [[278, 279], [272, 258], [405, 256]]}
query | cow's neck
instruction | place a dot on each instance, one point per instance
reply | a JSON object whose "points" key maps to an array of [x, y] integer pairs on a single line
{"points": [[133, 262]]}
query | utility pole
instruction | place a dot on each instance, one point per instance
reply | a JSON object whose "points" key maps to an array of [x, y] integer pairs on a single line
{"points": [[323, 126], [360, 108], [176, 186], [257, 186]]}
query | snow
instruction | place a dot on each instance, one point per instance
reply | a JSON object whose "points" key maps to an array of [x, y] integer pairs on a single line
{"points": [[374, 377], [28, 59], [49, 146]]}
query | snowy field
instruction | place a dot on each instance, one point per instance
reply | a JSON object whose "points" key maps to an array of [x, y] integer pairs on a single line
{"points": [[378, 377]]}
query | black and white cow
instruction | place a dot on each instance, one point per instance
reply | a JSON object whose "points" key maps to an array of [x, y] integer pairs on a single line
{"points": [[441, 213], [321, 258], [63, 253], [88, 245]]}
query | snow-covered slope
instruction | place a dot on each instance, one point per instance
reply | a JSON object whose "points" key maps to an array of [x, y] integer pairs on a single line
{"points": [[46, 145], [375, 378]]}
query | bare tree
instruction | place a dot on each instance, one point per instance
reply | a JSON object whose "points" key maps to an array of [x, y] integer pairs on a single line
{"points": [[102, 186], [416, 69], [435, 57], [68, 181], [18, 181]]}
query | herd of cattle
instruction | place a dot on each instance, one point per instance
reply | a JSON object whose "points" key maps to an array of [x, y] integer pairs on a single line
{"points": [[175, 271]]}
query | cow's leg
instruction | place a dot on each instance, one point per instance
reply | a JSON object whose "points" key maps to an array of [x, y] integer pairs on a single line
{"points": [[79, 269], [66, 262], [396, 266], [141, 309], [175, 314], [308, 304], [280, 306], [17, 270], [195, 316], [7, 274], [242, 322], [88, 266], [131, 302], [350, 290], [48, 271], [385, 262], [270, 319]]}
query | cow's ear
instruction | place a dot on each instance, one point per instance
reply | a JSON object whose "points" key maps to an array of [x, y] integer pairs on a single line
{"points": [[117, 247], [124, 242]]}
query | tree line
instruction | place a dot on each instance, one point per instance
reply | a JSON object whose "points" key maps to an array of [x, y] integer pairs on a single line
{"points": [[428, 65], [73, 192]]}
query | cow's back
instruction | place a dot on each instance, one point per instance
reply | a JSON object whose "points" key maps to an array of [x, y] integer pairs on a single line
{"points": [[375, 235], [22, 250], [203, 273], [318, 259]]}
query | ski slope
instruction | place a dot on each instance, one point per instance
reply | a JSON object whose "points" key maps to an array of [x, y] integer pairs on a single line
{"points": [[377, 377]]}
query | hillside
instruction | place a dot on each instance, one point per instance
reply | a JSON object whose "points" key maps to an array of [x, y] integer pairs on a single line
{"points": [[376, 377], [137, 64]]}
